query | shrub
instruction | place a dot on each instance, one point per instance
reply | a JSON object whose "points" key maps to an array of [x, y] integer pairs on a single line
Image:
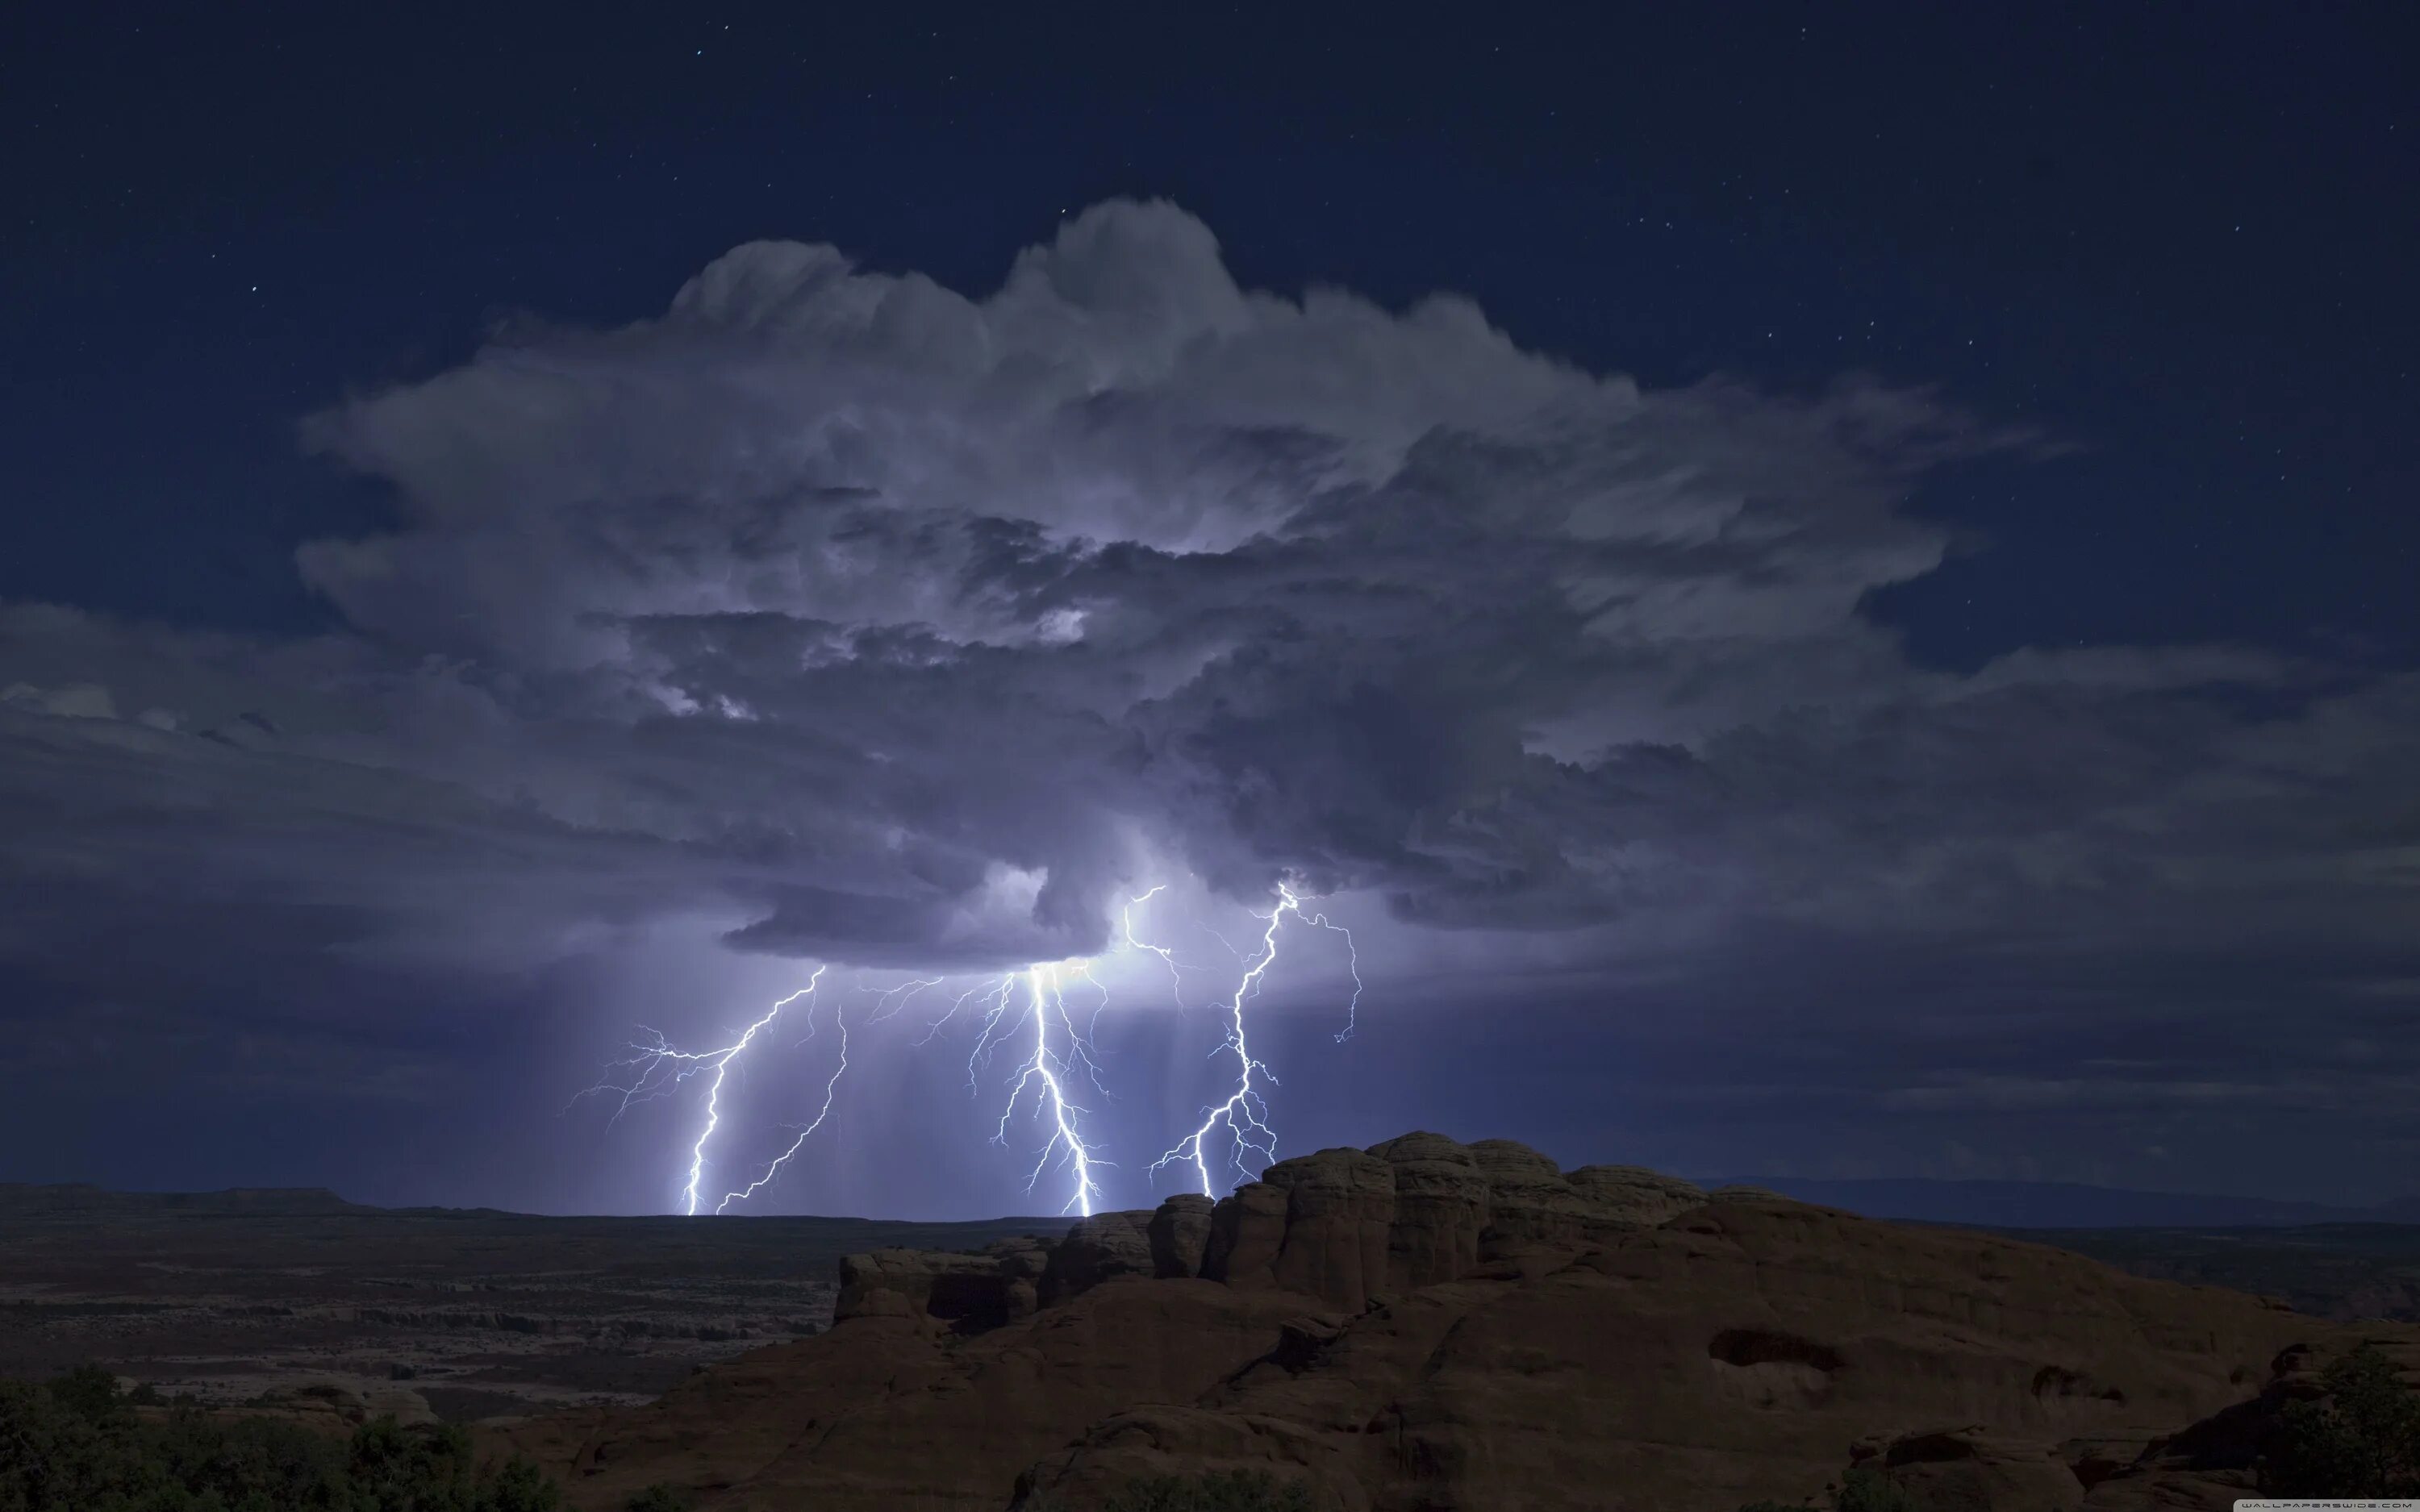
{"points": [[657, 1498], [1860, 1491], [73, 1445], [1871, 1490], [1235, 1491], [2363, 1442], [88, 1391]]}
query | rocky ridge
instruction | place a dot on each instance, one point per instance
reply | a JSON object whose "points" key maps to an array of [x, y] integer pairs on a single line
{"points": [[1425, 1326], [1349, 1226]]}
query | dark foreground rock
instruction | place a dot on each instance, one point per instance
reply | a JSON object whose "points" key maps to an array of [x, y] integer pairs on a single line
{"points": [[1427, 1326]]}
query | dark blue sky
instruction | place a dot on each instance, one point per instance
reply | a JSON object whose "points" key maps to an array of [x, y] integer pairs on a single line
{"points": [[2178, 236], [2161, 254]]}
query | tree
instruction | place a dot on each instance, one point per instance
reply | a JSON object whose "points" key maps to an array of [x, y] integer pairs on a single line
{"points": [[71, 1446], [88, 1391], [2363, 1442]]}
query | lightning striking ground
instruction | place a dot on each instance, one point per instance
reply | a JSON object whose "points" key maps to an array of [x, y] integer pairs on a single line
{"points": [[840, 1022], [1045, 995], [1034, 998], [654, 1080], [1244, 1115]]}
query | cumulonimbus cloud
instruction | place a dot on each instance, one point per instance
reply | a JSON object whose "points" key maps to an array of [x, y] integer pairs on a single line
{"points": [[905, 625]]}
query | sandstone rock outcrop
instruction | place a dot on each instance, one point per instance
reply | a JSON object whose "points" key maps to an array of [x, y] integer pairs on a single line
{"points": [[1442, 1202], [1247, 1231], [1317, 1223], [1963, 1467], [1744, 1193], [1097, 1249], [1427, 1326], [1179, 1232], [969, 1292], [1634, 1196], [1351, 1227]]}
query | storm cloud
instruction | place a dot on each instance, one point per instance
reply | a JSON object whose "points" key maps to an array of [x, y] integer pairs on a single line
{"points": [[899, 627]]}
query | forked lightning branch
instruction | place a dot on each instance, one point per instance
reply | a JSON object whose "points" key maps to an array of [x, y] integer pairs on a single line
{"points": [[1047, 1089]]}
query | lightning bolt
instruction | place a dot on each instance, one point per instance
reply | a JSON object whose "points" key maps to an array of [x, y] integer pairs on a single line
{"points": [[995, 999], [887, 1003], [1034, 998], [654, 1079], [1044, 995], [840, 1021], [1175, 978], [1352, 964], [1245, 1114], [890, 1000]]}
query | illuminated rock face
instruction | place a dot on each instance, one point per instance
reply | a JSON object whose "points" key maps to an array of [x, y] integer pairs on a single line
{"points": [[1429, 1325]]}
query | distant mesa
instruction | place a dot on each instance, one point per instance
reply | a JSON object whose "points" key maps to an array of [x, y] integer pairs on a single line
{"points": [[1428, 1324]]}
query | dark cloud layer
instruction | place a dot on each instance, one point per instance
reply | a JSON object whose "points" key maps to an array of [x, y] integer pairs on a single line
{"points": [[900, 628]]}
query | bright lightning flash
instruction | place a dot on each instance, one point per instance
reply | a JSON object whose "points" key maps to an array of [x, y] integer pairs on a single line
{"points": [[840, 1021], [1245, 1115], [660, 1068], [1047, 1071], [1168, 957], [1046, 1000]]}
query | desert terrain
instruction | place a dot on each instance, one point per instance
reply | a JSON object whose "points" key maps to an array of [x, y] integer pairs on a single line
{"points": [[458, 1313], [1429, 1326], [1424, 1326]]}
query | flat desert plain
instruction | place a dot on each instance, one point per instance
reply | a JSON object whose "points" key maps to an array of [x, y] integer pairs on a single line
{"points": [[467, 1313]]}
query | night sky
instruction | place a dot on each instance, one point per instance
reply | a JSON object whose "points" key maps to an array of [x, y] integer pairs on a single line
{"points": [[1824, 591]]}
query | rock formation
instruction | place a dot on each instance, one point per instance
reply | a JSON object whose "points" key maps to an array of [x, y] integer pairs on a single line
{"points": [[973, 1292], [1180, 1235], [1427, 1326], [1097, 1250]]}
